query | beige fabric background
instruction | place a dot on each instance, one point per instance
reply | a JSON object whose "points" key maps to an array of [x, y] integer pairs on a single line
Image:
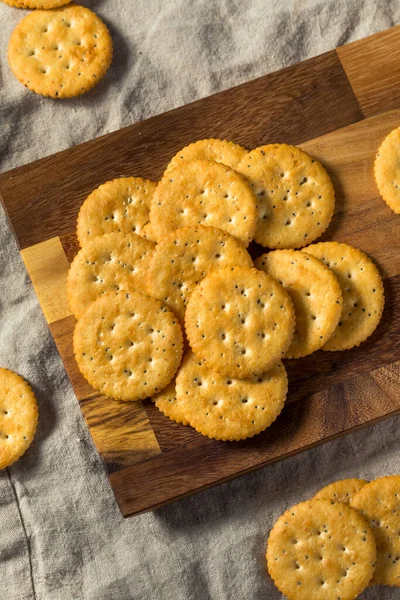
{"points": [[61, 534]]}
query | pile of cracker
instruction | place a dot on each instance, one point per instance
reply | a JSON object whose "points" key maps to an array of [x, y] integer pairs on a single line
{"points": [[335, 545], [170, 305]]}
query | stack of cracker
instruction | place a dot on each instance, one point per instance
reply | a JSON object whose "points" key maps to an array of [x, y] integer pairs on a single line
{"points": [[171, 306], [336, 544]]}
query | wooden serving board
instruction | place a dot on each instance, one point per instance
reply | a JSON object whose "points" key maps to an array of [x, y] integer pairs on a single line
{"points": [[338, 106]]}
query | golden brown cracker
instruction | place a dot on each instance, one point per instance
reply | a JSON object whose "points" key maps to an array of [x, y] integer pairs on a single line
{"points": [[294, 194], [387, 170], [204, 192], [321, 551], [167, 403], [315, 293], [18, 417], [45, 4], [128, 345], [379, 503], [239, 320], [228, 153], [362, 291], [225, 408], [61, 52], [187, 255], [120, 205], [341, 491], [110, 262]]}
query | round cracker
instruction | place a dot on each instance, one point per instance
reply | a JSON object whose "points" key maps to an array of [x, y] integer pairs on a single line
{"points": [[60, 53], [121, 205], [379, 503], [187, 255], [362, 291], [224, 408], [317, 550], [295, 196], [110, 262], [128, 345], [387, 170], [166, 402], [45, 4], [204, 192], [315, 293], [341, 491], [18, 417], [240, 321], [228, 153]]}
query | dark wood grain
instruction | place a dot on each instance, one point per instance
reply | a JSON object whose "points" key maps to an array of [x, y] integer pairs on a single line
{"points": [[151, 460], [70, 243], [373, 68], [296, 104]]}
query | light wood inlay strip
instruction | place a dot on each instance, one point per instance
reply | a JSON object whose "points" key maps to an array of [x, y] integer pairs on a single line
{"points": [[48, 266], [120, 430], [372, 66]]}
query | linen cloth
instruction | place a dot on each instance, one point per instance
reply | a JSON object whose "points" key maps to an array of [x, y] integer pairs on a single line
{"points": [[61, 534]]}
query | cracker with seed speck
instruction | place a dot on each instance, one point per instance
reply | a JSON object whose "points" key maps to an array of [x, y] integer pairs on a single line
{"points": [[225, 408], [321, 551], [61, 52], [45, 4], [187, 255], [204, 192], [121, 205], [167, 403], [128, 345], [294, 194], [387, 170], [362, 291], [341, 491], [110, 262], [228, 153], [240, 320], [379, 503], [18, 417], [315, 293]]}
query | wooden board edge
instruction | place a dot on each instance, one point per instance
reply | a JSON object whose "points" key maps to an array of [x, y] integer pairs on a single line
{"points": [[153, 507], [150, 508], [377, 393]]}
